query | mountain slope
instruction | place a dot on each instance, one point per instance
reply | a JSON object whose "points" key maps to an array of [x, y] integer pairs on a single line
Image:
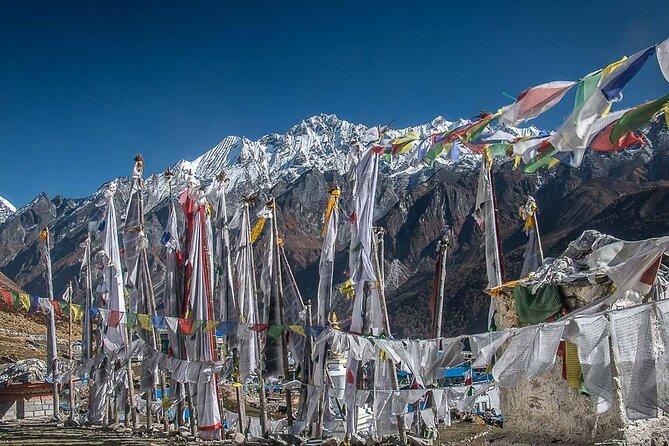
{"points": [[414, 204], [7, 209]]}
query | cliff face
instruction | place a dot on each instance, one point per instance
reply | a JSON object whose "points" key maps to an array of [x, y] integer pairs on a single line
{"points": [[622, 194]]}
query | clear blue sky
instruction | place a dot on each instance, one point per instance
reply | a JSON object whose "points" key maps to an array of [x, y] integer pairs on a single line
{"points": [[86, 85]]}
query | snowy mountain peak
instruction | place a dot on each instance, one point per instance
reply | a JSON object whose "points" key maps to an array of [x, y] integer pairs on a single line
{"points": [[7, 209], [323, 143]]}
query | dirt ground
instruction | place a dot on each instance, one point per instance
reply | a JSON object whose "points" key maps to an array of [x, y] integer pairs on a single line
{"points": [[45, 432], [41, 433], [23, 335]]}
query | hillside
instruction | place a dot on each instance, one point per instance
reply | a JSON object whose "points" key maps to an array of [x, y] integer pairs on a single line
{"points": [[623, 194]]}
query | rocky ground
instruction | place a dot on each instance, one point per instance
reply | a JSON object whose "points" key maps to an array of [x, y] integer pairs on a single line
{"points": [[41, 432]]}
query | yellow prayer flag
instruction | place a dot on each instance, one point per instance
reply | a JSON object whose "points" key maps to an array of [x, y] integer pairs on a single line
{"points": [[297, 329], [75, 312], [614, 66], [24, 300], [210, 326], [257, 229], [572, 365], [144, 321]]}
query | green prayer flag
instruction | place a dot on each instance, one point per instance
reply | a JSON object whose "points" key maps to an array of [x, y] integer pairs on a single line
{"points": [[637, 117], [585, 88], [541, 160], [130, 318], [498, 149], [275, 331], [435, 151], [536, 308]]}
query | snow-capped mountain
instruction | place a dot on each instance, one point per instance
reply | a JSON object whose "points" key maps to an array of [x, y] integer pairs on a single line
{"points": [[7, 209], [322, 143], [414, 204]]}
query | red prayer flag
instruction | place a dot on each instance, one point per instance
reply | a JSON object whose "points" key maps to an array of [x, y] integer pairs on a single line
{"points": [[7, 297], [186, 325], [259, 327], [115, 317], [602, 141], [56, 307]]}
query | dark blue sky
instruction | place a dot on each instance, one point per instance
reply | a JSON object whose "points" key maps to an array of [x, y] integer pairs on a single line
{"points": [[84, 86]]}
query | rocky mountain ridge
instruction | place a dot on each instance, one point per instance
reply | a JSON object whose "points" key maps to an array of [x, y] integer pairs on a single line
{"points": [[624, 194]]}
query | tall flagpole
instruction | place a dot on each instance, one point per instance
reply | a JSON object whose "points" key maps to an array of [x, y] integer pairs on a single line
{"points": [[230, 305], [284, 334], [52, 343], [377, 243], [261, 380], [69, 352], [498, 239], [445, 245], [88, 301]]}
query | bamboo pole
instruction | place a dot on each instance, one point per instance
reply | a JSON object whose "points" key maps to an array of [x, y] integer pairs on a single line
{"points": [[377, 238]]}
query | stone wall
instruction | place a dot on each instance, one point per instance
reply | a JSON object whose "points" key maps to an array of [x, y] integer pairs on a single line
{"points": [[34, 407], [546, 409]]}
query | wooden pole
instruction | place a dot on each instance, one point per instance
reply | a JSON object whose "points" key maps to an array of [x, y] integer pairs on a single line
{"points": [[444, 246], [131, 383], [536, 229], [261, 380], [500, 256], [87, 329], [69, 353], [147, 283], [377, 238], [51, 324], [154, 334], [282, 321]]}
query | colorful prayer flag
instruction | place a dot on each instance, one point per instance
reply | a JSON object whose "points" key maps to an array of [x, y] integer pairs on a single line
{"points": [[613, 85], [6, 297], [275, 331], [144, 321], [186, 325], [636, 117], [24, 301], [535, 101]]}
